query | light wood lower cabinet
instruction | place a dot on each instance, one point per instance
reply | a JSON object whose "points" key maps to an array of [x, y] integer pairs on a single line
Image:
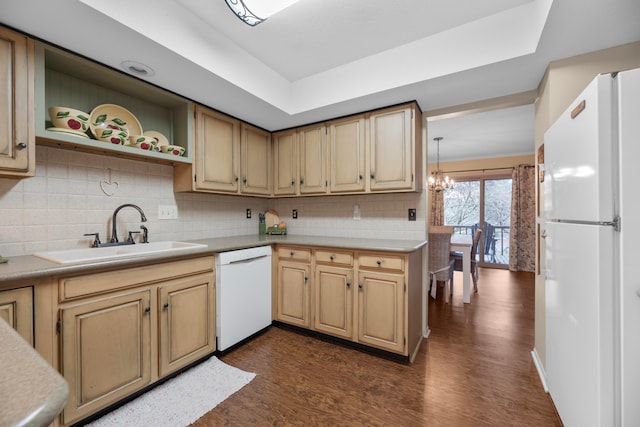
{"points": [[366, 297], [122, 330], [16, 308], [333, 292], [106, 351], [187, 322], [381, 310], [292, 285]]}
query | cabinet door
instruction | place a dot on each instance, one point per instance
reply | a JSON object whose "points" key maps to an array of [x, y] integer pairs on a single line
{"points": [[256, 161], [347, 155], [16, 308], [285, 163], [333, 301], [217, 151], [17, 125], [312, 143], [381, 310], [391, 150], [106, 351], [293, 293], [187, 322]]}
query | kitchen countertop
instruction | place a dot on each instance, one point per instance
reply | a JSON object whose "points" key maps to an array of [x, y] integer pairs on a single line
{"points": [[31, 392], [29, 267]]}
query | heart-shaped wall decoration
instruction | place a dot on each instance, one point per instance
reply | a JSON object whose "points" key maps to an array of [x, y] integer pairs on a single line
{"points": [[109, 188]]}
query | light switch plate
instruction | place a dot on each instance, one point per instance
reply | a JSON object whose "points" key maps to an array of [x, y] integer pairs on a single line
{"points": [[167, 212], [412, 214]]}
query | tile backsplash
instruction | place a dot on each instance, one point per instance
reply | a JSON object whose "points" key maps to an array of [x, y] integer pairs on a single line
{"points": [[75, 193]]}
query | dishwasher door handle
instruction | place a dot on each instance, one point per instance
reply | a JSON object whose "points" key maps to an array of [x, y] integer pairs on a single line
{"points": [[245, 260]]}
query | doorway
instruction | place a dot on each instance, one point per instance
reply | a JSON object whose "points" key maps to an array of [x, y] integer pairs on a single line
{"points": [[486, 203]]}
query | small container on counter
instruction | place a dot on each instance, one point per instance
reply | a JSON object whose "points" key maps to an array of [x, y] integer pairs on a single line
{"points": [[262, 226]]}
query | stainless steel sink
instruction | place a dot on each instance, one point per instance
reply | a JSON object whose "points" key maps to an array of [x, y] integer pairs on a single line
{"points": [[114, 252]]}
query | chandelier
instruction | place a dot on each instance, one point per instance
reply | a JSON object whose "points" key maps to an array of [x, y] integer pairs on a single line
{"points": [[253, 12], [438, 182]]}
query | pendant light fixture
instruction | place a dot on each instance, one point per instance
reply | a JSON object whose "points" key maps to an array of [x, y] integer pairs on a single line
{"points": [[437, 181], [253, 12]]}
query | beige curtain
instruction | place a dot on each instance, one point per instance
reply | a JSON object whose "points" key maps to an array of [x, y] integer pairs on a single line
{"points": [[437, 208], [522, 243]]}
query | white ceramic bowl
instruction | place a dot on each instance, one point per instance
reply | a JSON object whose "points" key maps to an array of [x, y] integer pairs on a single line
{"points": [[175, 150], [69, 118], [111, 133], [141, 141]]}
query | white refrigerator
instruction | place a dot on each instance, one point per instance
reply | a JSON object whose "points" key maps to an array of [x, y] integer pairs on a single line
{"points": [[590, 225]]}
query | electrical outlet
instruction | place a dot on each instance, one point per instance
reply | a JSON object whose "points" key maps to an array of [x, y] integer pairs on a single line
{"points": [[167, 212], [248, 213], [356, 212], [412, 214], [294, 214]]}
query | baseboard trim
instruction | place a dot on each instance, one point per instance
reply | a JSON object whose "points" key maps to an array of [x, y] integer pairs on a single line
{"points": [[540, 369]]}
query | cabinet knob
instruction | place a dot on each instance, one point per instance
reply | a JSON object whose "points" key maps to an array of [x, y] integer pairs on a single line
{"points": [[360, 285], [236, 179], [244, 180], [165, 305], [293, 182], [360, 176], [21, 145], [348, 284], [147, 310], [379, 262], [305, 279], [332, 257], [301, 181], [291, 253], [373, 175]]}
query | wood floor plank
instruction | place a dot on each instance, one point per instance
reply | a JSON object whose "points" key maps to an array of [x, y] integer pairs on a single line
{"points": [[474, 370]]}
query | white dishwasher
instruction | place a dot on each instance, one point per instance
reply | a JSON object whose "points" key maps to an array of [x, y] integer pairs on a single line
{"points": [[243, 294]]}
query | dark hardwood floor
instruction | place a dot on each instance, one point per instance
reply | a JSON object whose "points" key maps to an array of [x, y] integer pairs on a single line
{"points": [[474, 370]]}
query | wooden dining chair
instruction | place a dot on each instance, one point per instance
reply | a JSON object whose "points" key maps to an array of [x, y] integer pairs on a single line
{"points": [[440, 263], [456, 257]]}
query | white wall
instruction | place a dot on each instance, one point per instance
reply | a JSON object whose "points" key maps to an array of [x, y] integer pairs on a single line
{"points": [[64, 201]]}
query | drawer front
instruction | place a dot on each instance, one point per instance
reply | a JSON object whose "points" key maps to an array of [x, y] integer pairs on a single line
{"points": [[96, 283], [294, 254], [381, 262], [333, 257]]}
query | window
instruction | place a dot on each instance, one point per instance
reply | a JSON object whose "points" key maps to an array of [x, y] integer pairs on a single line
{"points": [[485, 201]]}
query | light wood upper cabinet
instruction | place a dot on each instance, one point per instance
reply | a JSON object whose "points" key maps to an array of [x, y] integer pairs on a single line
{"points": [[16, 308], [256, 161], [347, 155], [230, 157], [392, 161], [217, 146], [285, 163], [313, 155], [17, 122]]}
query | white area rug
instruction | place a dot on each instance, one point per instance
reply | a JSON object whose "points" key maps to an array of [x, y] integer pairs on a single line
{"points": [[181, 400]]}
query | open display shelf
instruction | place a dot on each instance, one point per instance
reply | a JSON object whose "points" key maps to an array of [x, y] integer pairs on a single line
{"points": [[65, 79]]}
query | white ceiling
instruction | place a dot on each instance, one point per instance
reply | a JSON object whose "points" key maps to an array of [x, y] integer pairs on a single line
{"points": [[322, 59]]}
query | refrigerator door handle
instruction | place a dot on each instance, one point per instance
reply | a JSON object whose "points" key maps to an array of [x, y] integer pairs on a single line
{"points": [[616, 223]]}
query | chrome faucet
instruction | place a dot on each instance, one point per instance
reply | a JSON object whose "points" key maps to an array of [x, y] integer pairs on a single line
{"points": [[114, 233]]}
